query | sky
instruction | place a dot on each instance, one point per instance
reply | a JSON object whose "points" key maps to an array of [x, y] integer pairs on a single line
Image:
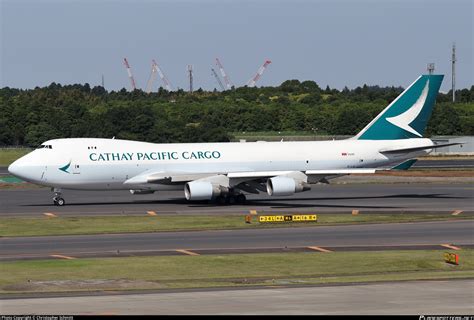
{"points": [[333, 42]]}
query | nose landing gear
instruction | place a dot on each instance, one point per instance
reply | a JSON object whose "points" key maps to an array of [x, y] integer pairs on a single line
{"points": [[58, 200]]}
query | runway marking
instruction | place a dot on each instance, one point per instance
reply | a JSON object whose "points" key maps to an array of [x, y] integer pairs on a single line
{"points": [[187, 252], [151, 213], [450, 247], [62, 257], [319, 249], [456, 212], [49, 214]]}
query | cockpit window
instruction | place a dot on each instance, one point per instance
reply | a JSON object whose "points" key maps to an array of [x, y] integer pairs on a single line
{"points": [[46, 146]]}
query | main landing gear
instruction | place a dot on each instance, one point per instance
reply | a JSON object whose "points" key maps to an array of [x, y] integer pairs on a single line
{"points": [[231, 199], [58, 199]]}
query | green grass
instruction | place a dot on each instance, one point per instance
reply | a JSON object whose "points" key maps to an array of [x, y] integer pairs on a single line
{"points": [[10, 180], [42, 226], [7, 156], [229, 270]]}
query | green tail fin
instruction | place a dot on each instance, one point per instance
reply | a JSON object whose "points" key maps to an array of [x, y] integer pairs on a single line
{"points": [[407, 116]]}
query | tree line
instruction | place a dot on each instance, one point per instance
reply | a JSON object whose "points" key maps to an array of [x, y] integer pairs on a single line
{"points": [[30, 117]]}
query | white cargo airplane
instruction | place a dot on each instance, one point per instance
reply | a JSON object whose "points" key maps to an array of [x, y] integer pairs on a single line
{"points": [[225, 171]]}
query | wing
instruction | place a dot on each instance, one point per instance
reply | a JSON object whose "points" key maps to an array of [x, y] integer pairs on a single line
{"points": [[248, 181], [160, 177]]}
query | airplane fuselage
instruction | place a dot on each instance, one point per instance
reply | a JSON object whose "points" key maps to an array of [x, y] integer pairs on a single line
{"points": [[105, 164]]}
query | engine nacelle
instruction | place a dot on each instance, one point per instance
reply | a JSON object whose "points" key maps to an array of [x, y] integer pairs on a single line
{"points": [[201, 190], [142, 191], [285, 186]]}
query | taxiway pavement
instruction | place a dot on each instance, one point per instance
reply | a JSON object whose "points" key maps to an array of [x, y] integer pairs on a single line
{"points": [[420, 233], [321, 198], [452, 297]]}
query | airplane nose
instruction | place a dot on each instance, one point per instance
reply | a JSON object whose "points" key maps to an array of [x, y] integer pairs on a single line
{"points": [[26, 169], [14, 168], [23, 171]]}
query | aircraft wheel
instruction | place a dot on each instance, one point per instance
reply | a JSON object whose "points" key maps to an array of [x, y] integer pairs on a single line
{"points": [[221, 200], [60, 202], [241, 198], [231, 200]]}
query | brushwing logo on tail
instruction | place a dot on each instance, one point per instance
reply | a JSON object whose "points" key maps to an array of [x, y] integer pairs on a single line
{"points": [[404, 119]]}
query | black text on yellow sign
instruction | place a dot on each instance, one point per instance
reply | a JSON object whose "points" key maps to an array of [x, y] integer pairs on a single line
{"points": [[288, 218], [452, 258]]}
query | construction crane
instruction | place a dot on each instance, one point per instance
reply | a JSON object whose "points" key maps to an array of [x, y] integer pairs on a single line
{"points": [[224, 75], [152, 77], [251, 82], [162, 76], [218, 79], [129, 71]]}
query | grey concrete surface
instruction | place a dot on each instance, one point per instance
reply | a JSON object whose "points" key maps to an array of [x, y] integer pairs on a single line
{"points": [[452, 163], [452, 232], [455, 297], [223, 251], [333, 197]]}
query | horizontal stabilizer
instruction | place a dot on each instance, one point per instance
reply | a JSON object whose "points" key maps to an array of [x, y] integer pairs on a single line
{"points": [[407, 150], [405, 165]]}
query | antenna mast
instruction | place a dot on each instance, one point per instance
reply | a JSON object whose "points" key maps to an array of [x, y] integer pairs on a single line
{"points": [[129, 71], [251, 82], [430, 68], [453, 72], [190, 70]]}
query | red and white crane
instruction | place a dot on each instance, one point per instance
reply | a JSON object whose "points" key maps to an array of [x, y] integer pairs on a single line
{"points": [[155, 68], [228, 84], [163, 78], [251, 82], [152, 77], [218, 79], [129, 71]]}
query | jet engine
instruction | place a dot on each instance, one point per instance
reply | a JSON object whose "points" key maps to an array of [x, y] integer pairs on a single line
{"points": [[285, 186], [201, 190]]}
